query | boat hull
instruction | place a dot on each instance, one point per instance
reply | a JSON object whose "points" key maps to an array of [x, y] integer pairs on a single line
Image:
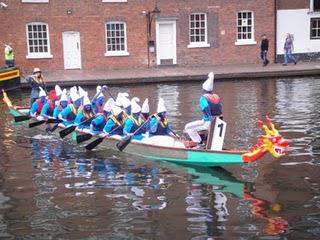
{"points": [[10, 78], [186, 156]]}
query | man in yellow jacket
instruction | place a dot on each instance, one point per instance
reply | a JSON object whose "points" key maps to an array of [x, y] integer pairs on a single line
{"points": [[8, 55]]}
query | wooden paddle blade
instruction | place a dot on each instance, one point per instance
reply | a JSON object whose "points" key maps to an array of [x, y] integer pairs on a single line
{"points": [[94, 143], [34, 124], [124, 143], [67, 131], [22, 118], [54, 120], [83, 137]]}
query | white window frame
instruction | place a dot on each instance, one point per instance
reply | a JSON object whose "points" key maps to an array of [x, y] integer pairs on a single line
{"points": [[35, 1], [121, 52], [114, 1], [205, 42], [250, 41], [312, 7], [33, 55]]}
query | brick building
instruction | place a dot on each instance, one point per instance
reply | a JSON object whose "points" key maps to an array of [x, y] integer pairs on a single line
{"points": [[117, 34], [300, 18]]}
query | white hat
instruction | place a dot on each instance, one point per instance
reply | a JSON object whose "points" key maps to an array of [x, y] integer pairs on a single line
{"points": [[115, 110], [58, 90], [108, 105], [82, 92], [99, 91], [63, 95], [135, 108], [36, 70], [119, 98], [125, 102], [42, 93], [208, 84], [74, 96], [86, 101], [145, 106], [161, 107]]}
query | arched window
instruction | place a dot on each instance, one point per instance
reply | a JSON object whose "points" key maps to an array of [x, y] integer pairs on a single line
{"points": [[116, 39], [38, 40]]}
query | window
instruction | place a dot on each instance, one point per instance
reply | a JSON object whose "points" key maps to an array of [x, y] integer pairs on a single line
{"points": [[198, 30], [38, 40], [245, 28], [314, 5], [35, 1], [315, 28], [116, 39]]}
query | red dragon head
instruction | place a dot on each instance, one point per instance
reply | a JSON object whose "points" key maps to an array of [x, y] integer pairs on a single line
{"points": [[271, 142]]}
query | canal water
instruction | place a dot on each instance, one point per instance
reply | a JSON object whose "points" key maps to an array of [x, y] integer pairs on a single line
{"points": [[52, 189]]}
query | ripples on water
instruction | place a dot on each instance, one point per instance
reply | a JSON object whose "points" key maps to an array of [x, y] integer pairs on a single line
{"points": [[52, 189]]}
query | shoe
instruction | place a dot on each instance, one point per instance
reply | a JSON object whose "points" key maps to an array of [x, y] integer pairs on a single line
{"points": [[267, 62], [201, 146], [190, 144], [295, 62], [284, 64]]}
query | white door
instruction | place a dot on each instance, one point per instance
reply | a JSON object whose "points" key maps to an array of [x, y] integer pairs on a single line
{"points": [[166, 42], [71, 50]]}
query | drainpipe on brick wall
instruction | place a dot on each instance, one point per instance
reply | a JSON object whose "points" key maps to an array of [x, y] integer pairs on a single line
{"points": [[275, 29]]}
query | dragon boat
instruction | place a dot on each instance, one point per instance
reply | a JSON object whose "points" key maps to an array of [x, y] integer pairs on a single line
{"points": [[173, 150]]}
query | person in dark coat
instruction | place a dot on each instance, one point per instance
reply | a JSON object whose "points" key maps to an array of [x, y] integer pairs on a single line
{"points": [[264, 47]]}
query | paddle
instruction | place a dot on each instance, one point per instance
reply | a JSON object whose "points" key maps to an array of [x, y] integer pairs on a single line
{"points": [[34, 124], [125, 142], [52, 128], [83, 137], [54, 120], [70, 129], [22, 118], [99, 140]]}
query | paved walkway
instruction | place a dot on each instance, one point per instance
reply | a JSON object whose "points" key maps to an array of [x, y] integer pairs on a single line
{"points": [[177, 73]]}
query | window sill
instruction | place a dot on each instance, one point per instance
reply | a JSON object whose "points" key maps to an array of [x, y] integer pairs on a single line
{"points": [[38, 56], [312, 12], [198, 45], [35, 1], [241, 43], [116, 54]]}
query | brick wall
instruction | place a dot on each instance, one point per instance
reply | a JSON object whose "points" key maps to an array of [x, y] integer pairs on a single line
{"points": [[293, 4], [89, 17]]}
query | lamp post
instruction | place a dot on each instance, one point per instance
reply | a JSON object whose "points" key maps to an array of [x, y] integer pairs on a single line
{"points": [[150, 16]]}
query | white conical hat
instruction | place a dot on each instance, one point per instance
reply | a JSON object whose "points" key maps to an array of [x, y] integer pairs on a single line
{"points": [[145, 106], [86, 101], [125, 102], [58, 90], [161, 107], [115, 110], [99, 91], [74, 96], [135, 108], [108, 105], [64, 95], [82, 92], [208, 84], [42, 93], [118, 100]]}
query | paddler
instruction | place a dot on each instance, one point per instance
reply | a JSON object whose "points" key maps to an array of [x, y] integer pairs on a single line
{"points": [[85, 112], [48, 108], [133, 122], [115, 122], [159, 124], [211, 107], [37, 105], [62, 103], [98, 100], [69, 114], [98, 123], [36, 80], [145, 110]]}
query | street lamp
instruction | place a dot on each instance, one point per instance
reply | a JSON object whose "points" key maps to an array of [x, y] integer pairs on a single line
{"points": [[150, 43]]}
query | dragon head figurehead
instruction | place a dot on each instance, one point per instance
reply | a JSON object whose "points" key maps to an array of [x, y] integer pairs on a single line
{"points": [[271, 142]]}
